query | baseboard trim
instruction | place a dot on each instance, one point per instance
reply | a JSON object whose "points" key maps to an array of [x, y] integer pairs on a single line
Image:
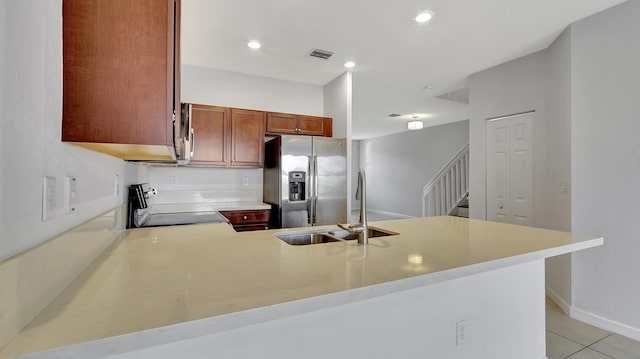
{"points": [[559, 300], [593, 319], [605, 323], [390, 214]]}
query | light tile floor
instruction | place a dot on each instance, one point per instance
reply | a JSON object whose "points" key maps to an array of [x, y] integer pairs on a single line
{"points": [[571, 339]]}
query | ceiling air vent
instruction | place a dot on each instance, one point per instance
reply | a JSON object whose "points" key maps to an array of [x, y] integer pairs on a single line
{"points": [[395, 115], [321, 54]]}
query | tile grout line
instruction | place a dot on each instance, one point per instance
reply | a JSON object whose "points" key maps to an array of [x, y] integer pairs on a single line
{"points": [[582, 345], [573, 341], [561, 336], [581, 349], [598, 341], [608, 356]]}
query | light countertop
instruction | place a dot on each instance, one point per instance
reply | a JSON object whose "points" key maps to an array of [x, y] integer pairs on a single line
{"points": [[154, 277]]}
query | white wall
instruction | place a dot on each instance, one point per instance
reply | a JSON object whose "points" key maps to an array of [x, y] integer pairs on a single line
{"points": [[510, 88], [539, 82], [31, 132], [605, 153], [557, 215], [398, 166], [222, 88], [338, 105], [4, 32], [589, 76]]}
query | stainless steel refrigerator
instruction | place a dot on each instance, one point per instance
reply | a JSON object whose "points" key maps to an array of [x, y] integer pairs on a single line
{"points": [[305, 181]]}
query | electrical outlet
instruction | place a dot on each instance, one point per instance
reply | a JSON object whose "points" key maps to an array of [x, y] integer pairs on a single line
{"points": [[172, 180], [461, 332], [69, 194], [564, 186], [48, 198], [245, 181], [116, 184]]}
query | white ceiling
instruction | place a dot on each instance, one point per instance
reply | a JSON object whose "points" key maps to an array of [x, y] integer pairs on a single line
{"points": [[396, 57]]}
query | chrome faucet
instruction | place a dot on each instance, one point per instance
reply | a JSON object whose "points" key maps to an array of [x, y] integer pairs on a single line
{"points": [[361, 228]]}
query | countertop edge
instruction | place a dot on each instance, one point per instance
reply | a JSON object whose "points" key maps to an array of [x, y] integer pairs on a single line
{"points": [[181, 331]]}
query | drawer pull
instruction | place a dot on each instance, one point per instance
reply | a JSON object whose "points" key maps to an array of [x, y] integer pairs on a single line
{"points": [[244, 217]]}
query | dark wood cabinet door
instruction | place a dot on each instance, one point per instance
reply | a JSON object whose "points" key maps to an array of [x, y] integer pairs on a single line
{"points": [[285, 123], [210, 126], [247, 138], [278, 123], [309, 125], [118, 71]]}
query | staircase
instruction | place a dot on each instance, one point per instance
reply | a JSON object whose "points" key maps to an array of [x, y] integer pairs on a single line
{"points": [[462, 209], [447, 193]]}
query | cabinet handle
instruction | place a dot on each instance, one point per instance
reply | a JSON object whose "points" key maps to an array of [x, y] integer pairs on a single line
{"points": [[193, 140], [244, 217]]}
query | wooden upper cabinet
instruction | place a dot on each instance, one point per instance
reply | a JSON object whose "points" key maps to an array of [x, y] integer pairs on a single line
{"points": [[120, 71], [247, 138], [316, 126], [284, 123], [210, 134]]}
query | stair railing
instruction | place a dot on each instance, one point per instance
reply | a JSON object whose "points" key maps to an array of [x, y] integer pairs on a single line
{"points": [[442, 194]]}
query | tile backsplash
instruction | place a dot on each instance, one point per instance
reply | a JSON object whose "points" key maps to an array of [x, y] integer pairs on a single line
{"points": [[196, 185]]}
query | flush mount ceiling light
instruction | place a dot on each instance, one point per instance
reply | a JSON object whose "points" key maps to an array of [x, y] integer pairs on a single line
{"points": [[423, 17], [415, 124], [254, 44], [349, 64]]}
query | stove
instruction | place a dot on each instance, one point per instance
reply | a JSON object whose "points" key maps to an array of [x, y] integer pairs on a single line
{"points": [[140, 216]]}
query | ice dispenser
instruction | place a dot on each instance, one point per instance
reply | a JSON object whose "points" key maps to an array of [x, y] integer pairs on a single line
{"points": [[296, 186]]}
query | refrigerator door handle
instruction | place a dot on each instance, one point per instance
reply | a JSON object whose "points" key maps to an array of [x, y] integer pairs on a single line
{"points": [[315, 188], [310, 208]]}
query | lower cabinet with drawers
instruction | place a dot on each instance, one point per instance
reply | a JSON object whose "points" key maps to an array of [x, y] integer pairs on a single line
{"points": [[248, 220]]}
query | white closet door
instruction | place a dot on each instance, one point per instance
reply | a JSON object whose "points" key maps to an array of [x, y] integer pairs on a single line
{"points": [[510, 169]]}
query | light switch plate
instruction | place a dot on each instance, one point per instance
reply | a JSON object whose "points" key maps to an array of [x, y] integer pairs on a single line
{"points": [[48, 198]]}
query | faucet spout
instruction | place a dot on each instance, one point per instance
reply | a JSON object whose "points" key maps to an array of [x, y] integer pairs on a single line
{"points": [[361, 194], [361, 228]]}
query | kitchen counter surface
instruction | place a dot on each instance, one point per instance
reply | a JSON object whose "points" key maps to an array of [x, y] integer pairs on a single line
{"points": [[155, 277], [207, 206]]}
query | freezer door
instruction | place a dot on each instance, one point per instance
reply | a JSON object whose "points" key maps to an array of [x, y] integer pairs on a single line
{"points": [[295, 156], [330, 185]]}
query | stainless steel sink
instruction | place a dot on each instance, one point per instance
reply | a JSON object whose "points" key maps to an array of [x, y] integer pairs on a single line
{"points": [[328, 235]]}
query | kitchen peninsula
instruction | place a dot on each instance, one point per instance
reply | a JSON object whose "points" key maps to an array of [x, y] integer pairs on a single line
{"points": [[207, 291]]}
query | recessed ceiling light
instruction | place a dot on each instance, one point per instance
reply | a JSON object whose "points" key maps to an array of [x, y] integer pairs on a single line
{"points": [[254, 44], [424, 16], [349, 64], [427, 88]]}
